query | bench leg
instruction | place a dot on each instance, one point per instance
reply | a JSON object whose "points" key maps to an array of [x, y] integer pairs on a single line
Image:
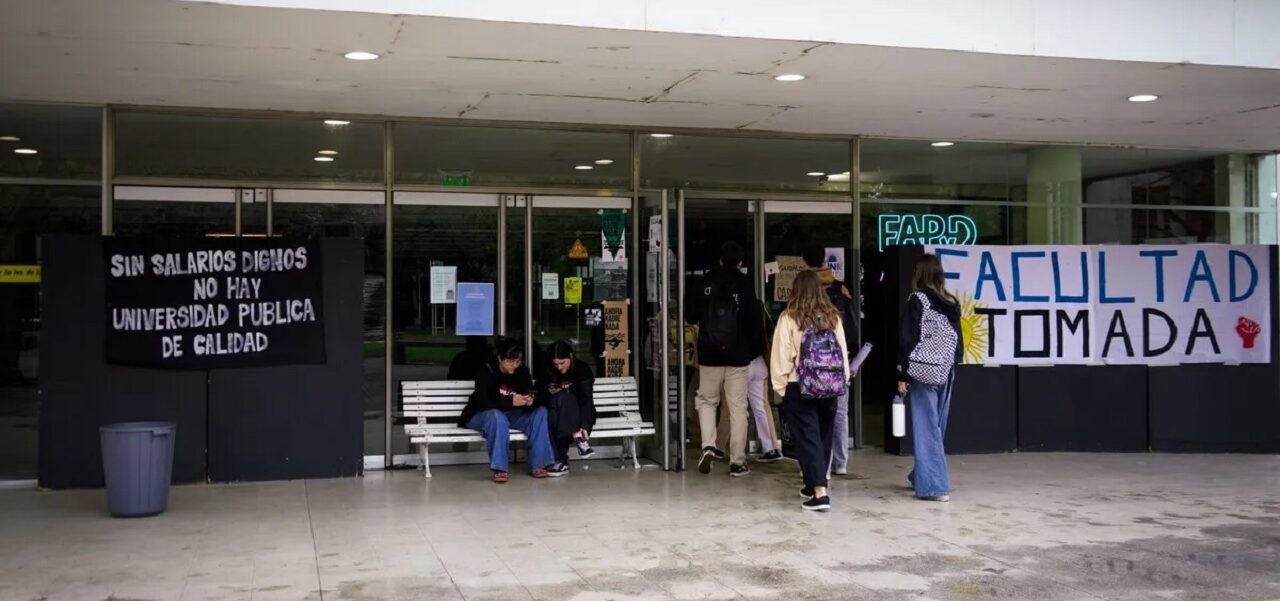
{"points": [[635, 453], [426, 463]]}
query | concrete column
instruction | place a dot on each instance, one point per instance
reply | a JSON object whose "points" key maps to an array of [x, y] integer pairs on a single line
{"points": [[1231, 189], [1054, 178]]}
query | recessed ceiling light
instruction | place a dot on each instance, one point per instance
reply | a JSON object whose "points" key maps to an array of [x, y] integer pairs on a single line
{"points": [[604, 161], [336, 122], [660, 135], [25, 150], [361, 55], [815, 174], [1143, 98], [323, 159], [328, 152], [583, 167], [789, 77], [10, 139], [942, 144]]}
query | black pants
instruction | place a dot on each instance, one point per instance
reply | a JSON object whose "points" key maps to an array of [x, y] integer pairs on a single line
{"points": [[812, 423], [561, 447]]}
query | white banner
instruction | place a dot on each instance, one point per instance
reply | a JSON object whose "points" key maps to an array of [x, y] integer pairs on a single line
{"points": [[1151, 304]]}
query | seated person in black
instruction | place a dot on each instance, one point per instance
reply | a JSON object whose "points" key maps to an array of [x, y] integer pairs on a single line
{"points": [[504, 399], [566, 391]]}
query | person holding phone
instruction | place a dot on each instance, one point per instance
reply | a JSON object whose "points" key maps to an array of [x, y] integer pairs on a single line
{"points": [[503, 399]]}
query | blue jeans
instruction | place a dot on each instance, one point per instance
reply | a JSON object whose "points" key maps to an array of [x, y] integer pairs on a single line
{"points": [[496, 426], [929, 408]]}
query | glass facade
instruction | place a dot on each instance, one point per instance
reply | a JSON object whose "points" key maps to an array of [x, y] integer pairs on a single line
{"points": [[469, 200]]}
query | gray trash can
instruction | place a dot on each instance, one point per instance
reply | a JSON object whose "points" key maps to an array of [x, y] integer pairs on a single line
{"points": [[137, 460]]}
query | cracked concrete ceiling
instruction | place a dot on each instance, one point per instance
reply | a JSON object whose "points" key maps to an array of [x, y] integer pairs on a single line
{"points": [[162, 52]]}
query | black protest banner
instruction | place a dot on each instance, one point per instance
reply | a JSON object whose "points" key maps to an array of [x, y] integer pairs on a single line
{"points": [[213, 302]]}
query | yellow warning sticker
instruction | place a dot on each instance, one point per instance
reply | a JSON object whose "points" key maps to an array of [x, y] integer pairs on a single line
{"points": [[19, 274]]}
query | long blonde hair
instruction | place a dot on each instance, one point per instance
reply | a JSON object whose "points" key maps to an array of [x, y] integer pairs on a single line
{"points": [[809, 306]]}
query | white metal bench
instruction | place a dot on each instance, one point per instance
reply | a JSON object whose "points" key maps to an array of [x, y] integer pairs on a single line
{"points": [[436, 407]]}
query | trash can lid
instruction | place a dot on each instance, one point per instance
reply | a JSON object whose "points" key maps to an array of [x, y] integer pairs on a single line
{"points": [[124, 427]]}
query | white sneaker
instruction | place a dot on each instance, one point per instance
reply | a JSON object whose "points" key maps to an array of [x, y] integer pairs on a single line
{"points": [[842, 470]]}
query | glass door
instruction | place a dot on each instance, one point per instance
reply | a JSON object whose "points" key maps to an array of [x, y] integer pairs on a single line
{"points": [[662, 345]]}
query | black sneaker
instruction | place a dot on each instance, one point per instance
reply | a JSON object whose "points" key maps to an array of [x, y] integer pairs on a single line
{"points": [[720, 455], [584, 447], [557, 470], [708, 457], [806, 493], [817, 504], [769, 457], [738, 469]]}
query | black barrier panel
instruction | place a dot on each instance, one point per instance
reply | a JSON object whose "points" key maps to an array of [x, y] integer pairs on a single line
{"points": [[1082, 408], [78, 390], [1219, 408], [301, 421], [298, 421], [984, 410]]}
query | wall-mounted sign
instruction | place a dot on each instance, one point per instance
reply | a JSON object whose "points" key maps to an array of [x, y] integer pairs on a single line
{"points": [[578, 252], [617, 345], [19, 274], [613, 227], [835, 260], [475, 309], [573, 291], [550, 286], [213, 302], [912, 229], [1197, 303], [444, 281]]}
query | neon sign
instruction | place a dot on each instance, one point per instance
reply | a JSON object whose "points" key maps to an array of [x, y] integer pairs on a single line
{"points": [[899, 229]]}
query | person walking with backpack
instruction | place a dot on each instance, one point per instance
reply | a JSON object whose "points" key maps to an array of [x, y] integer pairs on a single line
{"points": [[815, 259], [810, 369], [723, 305], [930, 347]]}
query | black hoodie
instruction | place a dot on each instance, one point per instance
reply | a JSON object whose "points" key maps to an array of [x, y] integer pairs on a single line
{"points": [[909, 332], [568, 399], [495, 390]]}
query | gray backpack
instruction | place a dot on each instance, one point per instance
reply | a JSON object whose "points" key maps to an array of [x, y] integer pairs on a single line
{"points": [[935, 354]]}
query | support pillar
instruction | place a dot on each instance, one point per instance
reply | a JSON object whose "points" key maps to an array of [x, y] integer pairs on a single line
{"points": [[1055, 193]]}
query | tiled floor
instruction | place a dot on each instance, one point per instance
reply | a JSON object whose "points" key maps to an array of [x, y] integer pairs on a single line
{"points": [[1023, 526]]}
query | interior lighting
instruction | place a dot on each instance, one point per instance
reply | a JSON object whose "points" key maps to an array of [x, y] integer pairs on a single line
{"points": [[361, 55], [1143, 98], [25, 150], [604, 161], [10, 139], [328, 152], [323, 159], [789, 77], [583, 167], [336, 122], [660, 135], [942, 144], [815, 174]]}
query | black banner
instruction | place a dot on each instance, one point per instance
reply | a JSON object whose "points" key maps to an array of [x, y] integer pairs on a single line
{"points": [[213, 302]]}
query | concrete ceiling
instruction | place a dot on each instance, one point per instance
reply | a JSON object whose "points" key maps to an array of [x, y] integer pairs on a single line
{"points": [[163, 52]]}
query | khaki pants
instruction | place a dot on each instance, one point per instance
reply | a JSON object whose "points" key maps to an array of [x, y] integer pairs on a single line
{"points": [[732, 381]]}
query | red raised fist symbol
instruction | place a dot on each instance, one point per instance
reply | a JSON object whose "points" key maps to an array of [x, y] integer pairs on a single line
{"points": [[1248, 330]]}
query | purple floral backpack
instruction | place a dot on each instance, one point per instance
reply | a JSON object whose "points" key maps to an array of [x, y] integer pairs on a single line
{"points": [[820, 372]]}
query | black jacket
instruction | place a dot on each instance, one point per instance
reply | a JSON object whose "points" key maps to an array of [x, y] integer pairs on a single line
{"points": [[909, 329], [494, 390], [750, 322], [569, 399]]}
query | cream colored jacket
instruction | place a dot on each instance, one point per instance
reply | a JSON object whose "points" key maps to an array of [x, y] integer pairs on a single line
{"points": [[785, 355]]}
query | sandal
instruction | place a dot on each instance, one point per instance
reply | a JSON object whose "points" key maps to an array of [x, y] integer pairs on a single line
{"points": [[501, 477], [539, 473]]}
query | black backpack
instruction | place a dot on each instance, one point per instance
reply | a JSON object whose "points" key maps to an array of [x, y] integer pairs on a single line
{"points": [[721, 319]]}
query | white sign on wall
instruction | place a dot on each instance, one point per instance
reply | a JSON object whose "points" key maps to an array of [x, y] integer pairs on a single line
{"points": [[1150, 304], [835, 260], [444, 282]]}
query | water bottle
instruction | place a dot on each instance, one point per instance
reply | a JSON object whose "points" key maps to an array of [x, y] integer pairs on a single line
{"points": [[899, 417]]}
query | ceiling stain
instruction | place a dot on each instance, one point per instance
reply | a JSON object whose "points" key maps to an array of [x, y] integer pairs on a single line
{"points": [[667, 90], [1261, 108], [1013, 89], [473, 106]]}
